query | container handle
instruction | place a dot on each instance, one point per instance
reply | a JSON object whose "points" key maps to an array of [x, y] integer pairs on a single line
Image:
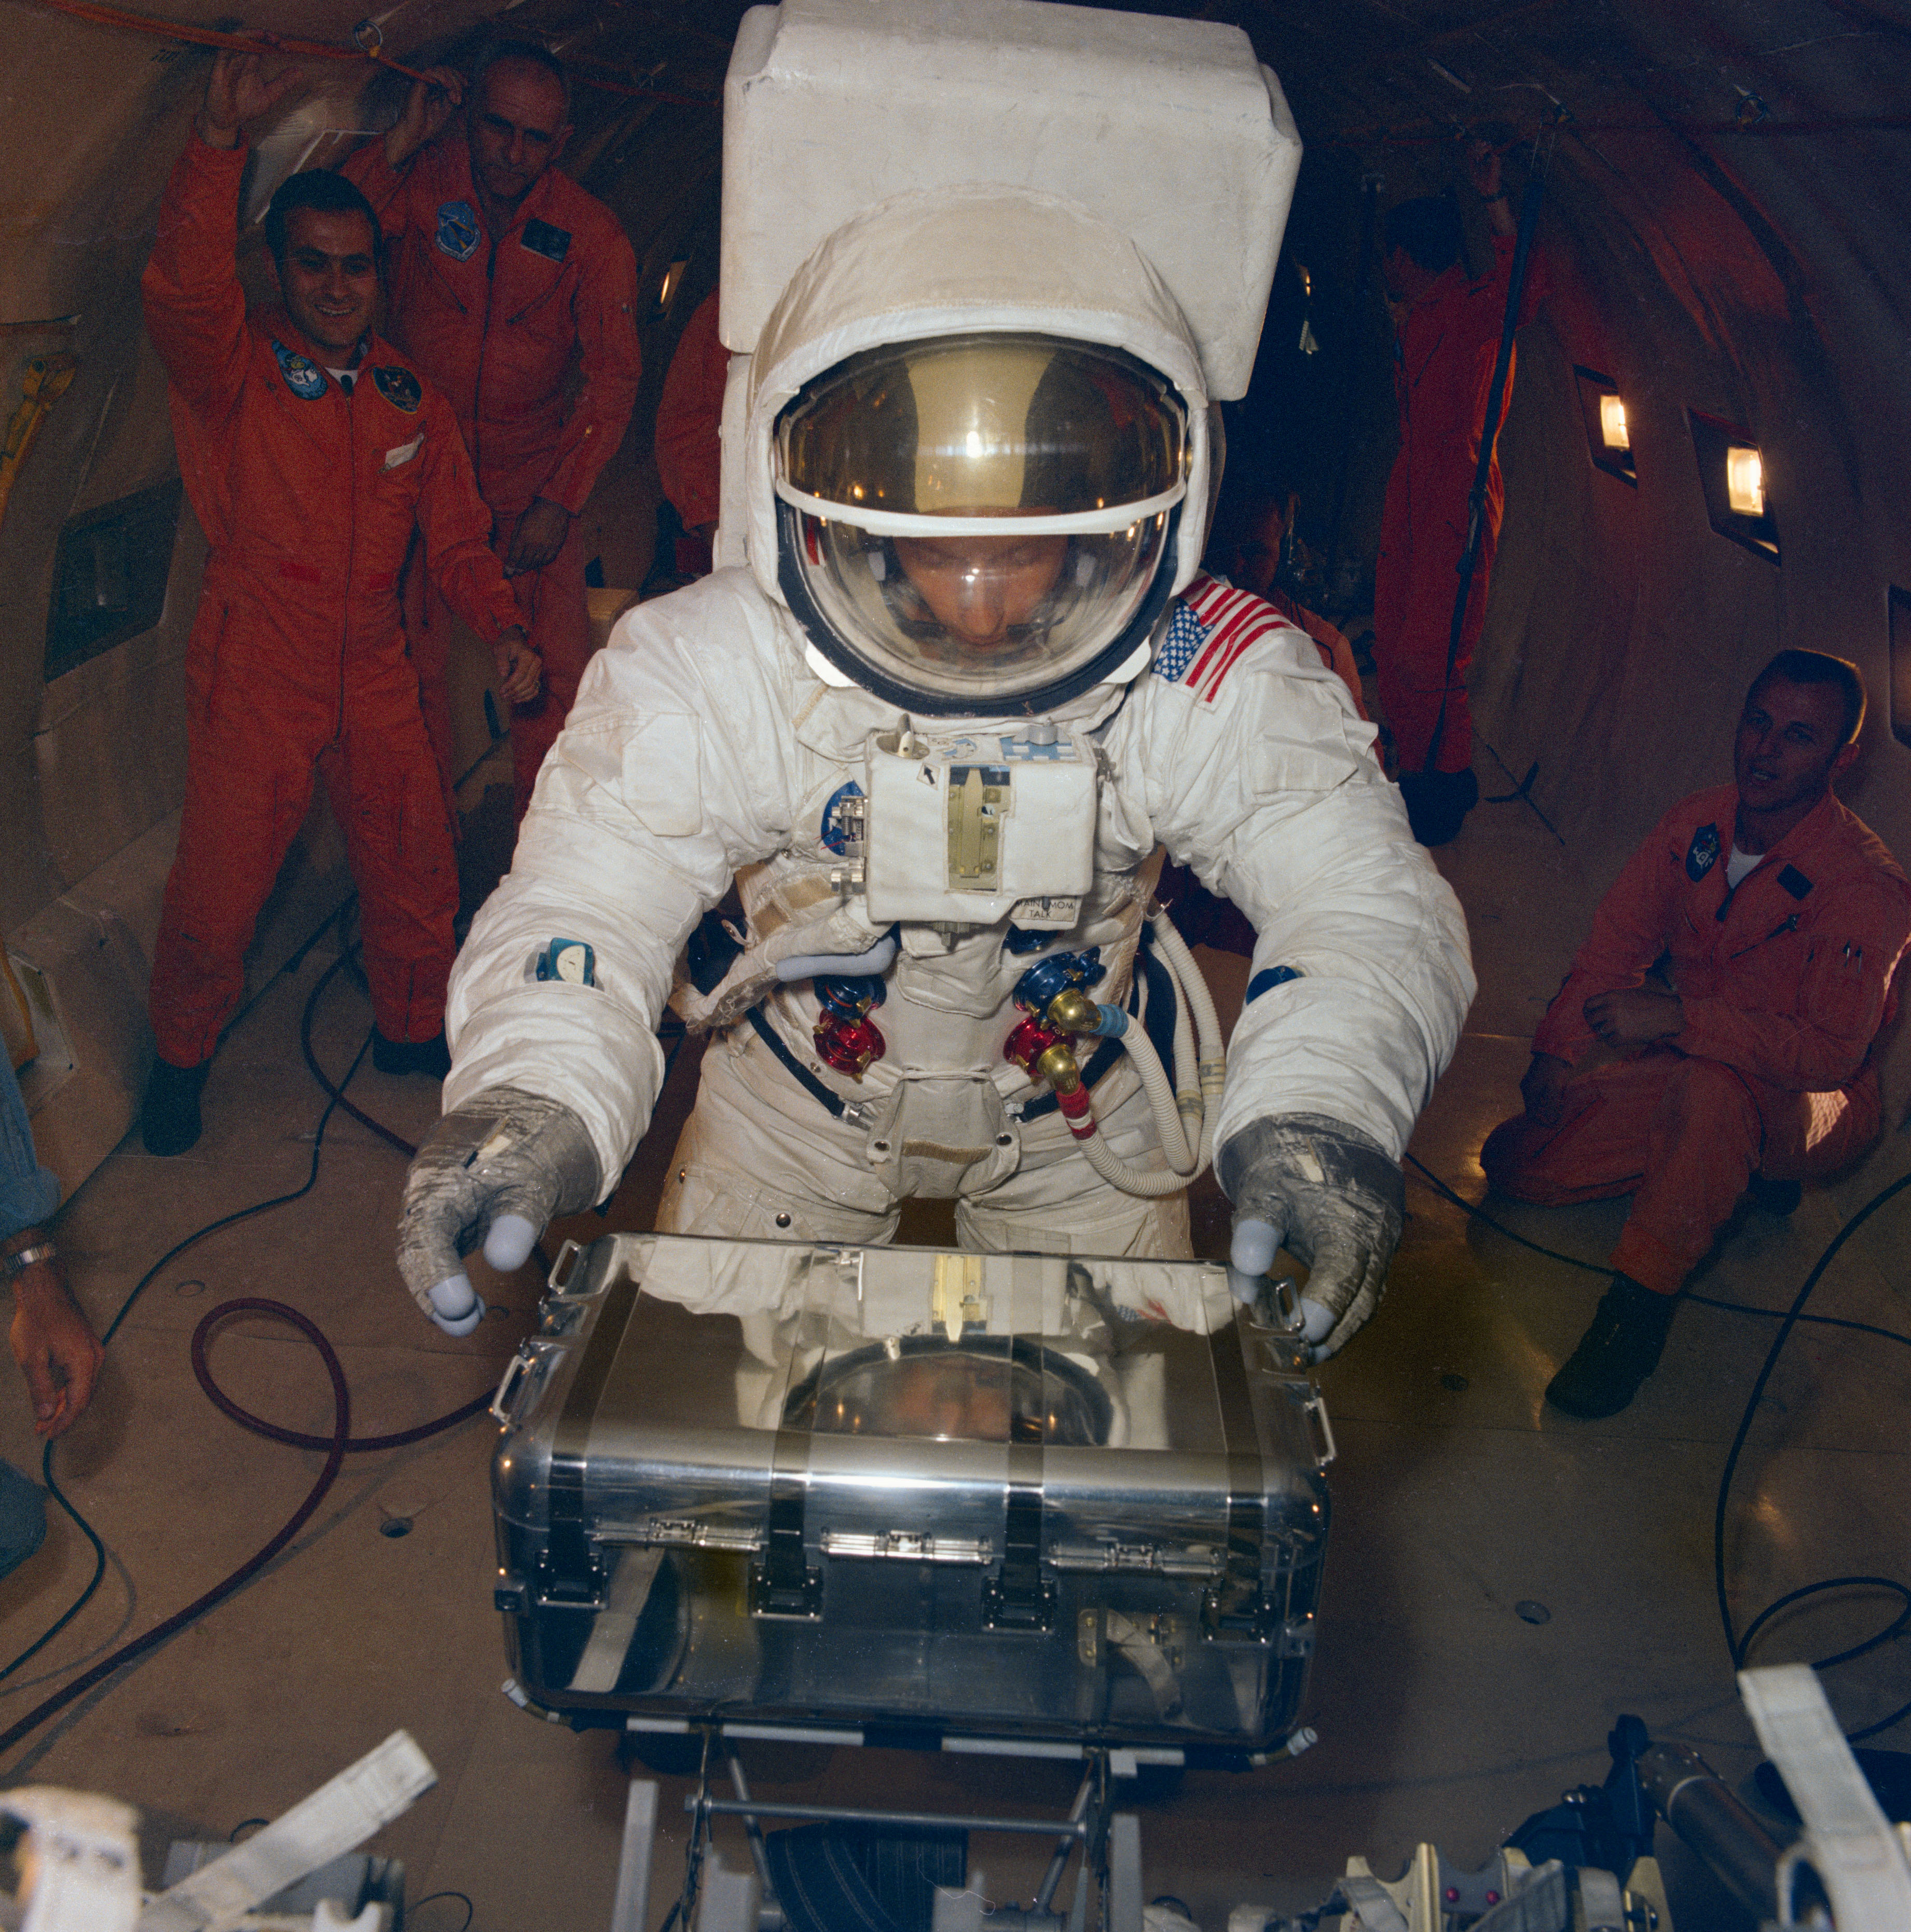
{"points": [[515, 1371], [558, 1281], [1317, 1408]]}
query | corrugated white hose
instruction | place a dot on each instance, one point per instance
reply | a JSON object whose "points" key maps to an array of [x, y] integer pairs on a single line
{"points": [[1182, 1150], [1150, 1183], [1211, 1066], [1189, 1107]]}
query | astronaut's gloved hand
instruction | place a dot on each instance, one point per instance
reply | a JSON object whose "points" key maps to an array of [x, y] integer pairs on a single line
{"points": [[1327, 1193], [496, 1171]]}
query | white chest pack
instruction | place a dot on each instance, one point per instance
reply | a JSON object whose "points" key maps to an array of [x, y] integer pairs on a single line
{"points": [[969, 827]]}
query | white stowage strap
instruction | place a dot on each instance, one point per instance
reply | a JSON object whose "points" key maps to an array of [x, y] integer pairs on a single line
{"points": [[1848, 1841], [337, 1817]]}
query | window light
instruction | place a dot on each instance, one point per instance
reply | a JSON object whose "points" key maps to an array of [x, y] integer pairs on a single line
{"points": [[1732, 475], [1745, 480], [1608, 433], [667, 289]]}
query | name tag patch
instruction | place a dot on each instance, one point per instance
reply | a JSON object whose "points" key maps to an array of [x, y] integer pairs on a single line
{"points": [[458, 231], [543, 239], [304, 379], [400, 388]]}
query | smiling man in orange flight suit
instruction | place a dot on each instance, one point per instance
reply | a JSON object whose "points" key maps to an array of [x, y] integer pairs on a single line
{"points": [[1784, 920], [310, 451], [508, 279]]}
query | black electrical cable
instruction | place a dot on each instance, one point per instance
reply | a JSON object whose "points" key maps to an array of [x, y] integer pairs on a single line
{"points": [[463, 1897], [337, 1445], [1739, 1646], [140, 1288], [1480, 1215], [334, 1460]]}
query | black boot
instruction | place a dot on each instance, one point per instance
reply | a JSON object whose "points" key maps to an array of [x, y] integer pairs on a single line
{"points": [[1438, 803], [1616, 1354], [430, 1056], [168, 1116], [1781, 1198]]}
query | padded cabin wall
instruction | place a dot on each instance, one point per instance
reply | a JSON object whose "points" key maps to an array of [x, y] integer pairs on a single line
{"points": [[1623, 629], [88, 115]]}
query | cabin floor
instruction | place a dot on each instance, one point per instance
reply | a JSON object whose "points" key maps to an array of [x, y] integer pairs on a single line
{"points": [[1502, 1582]]}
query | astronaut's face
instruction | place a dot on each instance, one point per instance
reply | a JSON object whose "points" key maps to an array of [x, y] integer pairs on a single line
{"points": [[982, 590], [517, 127], [1789, 748], [329, 277]]}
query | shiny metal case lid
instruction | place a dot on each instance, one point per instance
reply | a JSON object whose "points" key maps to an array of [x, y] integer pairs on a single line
{"points": [[1004, 1492]]}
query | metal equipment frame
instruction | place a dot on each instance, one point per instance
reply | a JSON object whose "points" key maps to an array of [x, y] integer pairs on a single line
{"points": [[1110, 1839]]}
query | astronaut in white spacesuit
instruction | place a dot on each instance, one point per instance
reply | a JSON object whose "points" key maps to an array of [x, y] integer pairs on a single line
{"points": [[969, 684]]}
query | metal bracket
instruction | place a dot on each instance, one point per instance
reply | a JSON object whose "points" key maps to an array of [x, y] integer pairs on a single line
{"points": [[783, 1585], [1018, 1598]]}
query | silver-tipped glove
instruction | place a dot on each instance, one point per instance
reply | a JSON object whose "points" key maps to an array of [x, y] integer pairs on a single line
{"points": [[1325, 1192], [495, 1172]]}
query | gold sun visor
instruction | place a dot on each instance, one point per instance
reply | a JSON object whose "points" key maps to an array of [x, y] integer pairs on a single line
{"points": [[991, 427], [978, 518]]}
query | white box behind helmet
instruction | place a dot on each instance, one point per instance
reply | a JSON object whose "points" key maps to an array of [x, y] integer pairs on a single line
{"points": [[1170, 130]]}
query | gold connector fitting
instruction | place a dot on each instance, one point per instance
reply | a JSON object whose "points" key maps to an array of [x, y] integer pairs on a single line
{"points": [[1058, 1067], [1072, 1011]]}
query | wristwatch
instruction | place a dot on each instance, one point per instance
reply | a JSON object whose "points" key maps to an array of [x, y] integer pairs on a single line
{"points": [[16, 1264]]}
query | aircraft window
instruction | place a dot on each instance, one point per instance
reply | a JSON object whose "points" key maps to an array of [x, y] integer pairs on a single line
{"points": [[1737, 483], [109, 575], [1608, 430]]}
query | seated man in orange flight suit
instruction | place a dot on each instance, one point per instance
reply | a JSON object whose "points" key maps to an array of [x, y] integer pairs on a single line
{"points": [[311, 450], [515, 291], [1781, 919]]}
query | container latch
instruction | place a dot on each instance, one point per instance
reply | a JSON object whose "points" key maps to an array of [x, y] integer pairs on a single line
{"points": [[1018, 1598], [783, 1584]]}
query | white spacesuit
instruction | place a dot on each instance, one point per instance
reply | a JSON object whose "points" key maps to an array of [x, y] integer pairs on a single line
{"points": [[937, 731]]}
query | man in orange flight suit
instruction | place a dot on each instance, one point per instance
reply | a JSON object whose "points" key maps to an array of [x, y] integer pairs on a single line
{"points": [[1784, 919], [1447, 339], [310, 451], [688, 439], [505, 277]]}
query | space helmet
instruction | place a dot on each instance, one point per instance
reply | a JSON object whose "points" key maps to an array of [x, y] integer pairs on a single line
{"points": [[979, 521]]}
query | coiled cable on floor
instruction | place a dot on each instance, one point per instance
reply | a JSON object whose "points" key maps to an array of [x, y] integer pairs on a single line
{"points": [[1739, 1645], [337, 1445], [140, 1288]]}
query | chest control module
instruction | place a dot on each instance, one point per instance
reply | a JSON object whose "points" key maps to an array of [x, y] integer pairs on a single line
{"points": [[968, 828]]}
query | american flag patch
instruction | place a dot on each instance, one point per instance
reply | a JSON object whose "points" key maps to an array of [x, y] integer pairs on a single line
{"points": [[1212, 627]]}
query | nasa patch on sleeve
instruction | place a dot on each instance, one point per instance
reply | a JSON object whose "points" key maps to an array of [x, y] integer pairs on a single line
{"points": [[458, 231], [399, 387], [304, 379], [1701, 855], [543, 239]]}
